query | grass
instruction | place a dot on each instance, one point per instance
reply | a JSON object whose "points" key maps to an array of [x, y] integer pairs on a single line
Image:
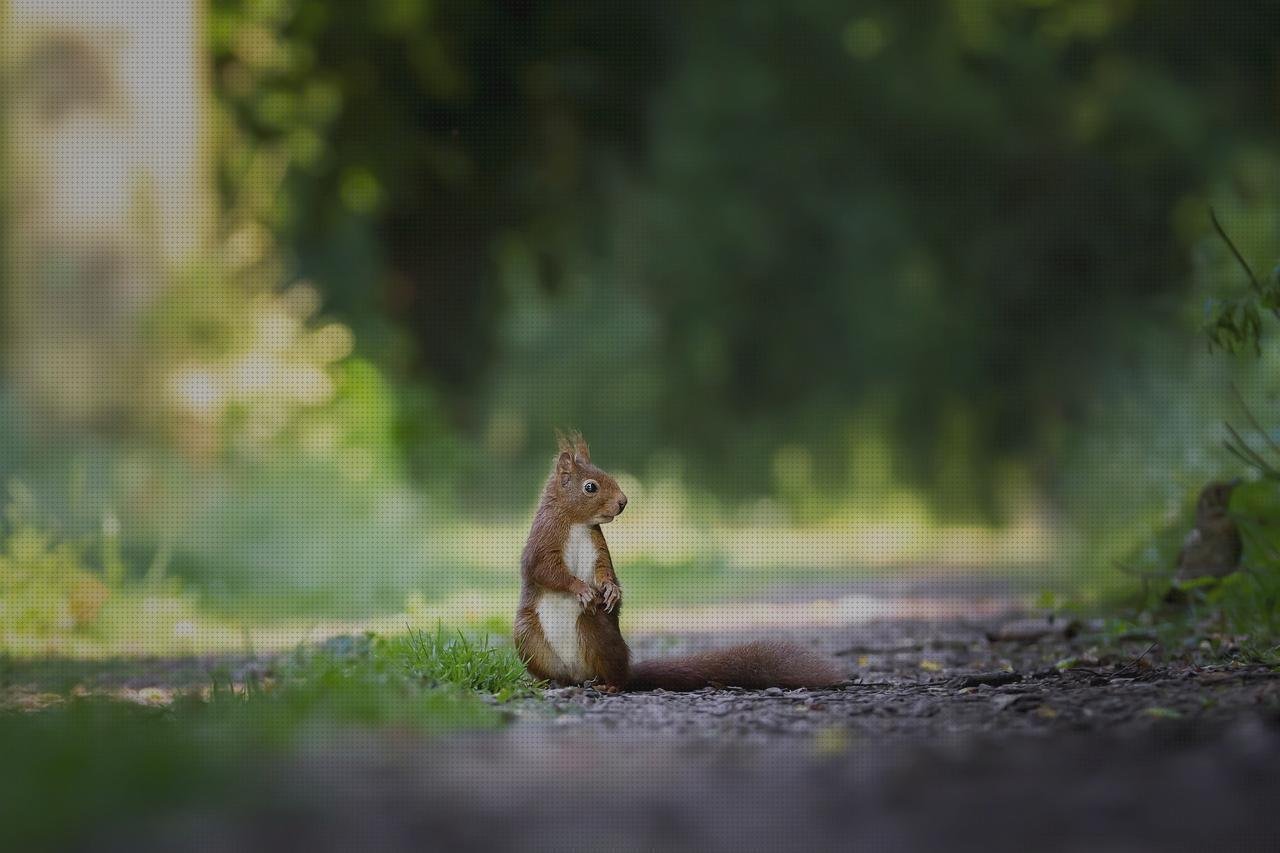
{"points": [[82, 763], [1235, 618], [453, 659], [425, 681], [1227, 621]]}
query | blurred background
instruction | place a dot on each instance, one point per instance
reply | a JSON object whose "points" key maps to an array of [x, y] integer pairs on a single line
{"points": [[295, 293]]}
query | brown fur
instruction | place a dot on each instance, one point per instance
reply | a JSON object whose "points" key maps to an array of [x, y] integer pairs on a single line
{"points": [[751, 665], [543, 568], [1214, 547], [539, 658], [605, 653]]}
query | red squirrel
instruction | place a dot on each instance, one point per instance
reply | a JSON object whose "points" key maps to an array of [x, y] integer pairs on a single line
{"points": [[567, 620]]}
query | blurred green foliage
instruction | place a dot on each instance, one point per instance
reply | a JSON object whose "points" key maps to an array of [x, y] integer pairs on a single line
{"points": [[1240, 613], [816, 264], [720, 230], [59, 582], [47, 586], [387, 144]]}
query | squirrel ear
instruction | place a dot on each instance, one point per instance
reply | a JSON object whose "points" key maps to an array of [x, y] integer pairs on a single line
{"points": [[580, 450], [564, 466]]}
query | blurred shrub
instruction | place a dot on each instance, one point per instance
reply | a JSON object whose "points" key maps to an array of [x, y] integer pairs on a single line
{"points": [[728, 230], [47, 584], [292, 538], [833, 264], [245, 371], [723, 234], [1183, 419], [62, 586], [387, 144], [45, 587]]}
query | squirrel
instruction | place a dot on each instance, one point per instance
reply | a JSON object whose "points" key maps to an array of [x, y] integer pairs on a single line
{"points": [[566, 627], [1213, 548]]}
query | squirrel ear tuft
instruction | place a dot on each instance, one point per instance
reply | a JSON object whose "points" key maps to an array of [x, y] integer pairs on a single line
{"points": [[564, 442], [574, 444]]}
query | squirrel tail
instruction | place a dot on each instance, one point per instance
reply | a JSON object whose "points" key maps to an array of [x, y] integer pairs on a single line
{"points": [[751, 665]]}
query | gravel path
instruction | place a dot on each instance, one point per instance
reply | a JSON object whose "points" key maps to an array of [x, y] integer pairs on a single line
{"points": [[920, 681], [944, 739]]}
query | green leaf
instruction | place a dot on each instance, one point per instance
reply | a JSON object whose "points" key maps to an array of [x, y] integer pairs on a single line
{"points": [[1162, 713]]}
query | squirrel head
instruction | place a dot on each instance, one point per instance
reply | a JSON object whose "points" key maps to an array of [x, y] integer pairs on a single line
{"points": [[1214, 500], [580, 490]]}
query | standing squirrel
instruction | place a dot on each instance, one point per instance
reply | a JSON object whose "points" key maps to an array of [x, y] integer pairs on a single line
{"points": [[567, 620], [1213, 547]]}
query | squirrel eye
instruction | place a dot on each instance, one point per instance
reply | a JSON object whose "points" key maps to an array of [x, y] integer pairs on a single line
{"points": [[590, 487]]}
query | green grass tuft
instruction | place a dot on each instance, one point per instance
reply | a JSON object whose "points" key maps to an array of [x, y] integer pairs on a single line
{"points": [[445, 658]]}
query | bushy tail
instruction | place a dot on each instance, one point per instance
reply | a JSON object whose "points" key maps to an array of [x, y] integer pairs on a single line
{"points": [[750, 665]]}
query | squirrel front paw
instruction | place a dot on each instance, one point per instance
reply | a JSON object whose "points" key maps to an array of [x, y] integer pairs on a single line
{"points": [[610, 594], [586, 598]]}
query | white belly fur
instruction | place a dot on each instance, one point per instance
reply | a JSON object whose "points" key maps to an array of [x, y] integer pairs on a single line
{"points": [[558, 611], [580, 553]]}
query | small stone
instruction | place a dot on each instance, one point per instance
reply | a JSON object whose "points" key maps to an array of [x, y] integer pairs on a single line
{"points": [[1004, 701], [1030, 630], [923, 708], [989, 679]]}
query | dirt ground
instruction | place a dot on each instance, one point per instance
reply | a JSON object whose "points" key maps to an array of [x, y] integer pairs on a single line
{"points": [[946, 737]]}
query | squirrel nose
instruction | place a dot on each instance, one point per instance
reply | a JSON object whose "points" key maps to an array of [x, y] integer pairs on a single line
{"points": [[622, 503]]}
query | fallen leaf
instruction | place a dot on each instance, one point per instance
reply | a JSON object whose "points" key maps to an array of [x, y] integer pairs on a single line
{"points": [[831, 741], [930, 666], [1162, 713]]}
